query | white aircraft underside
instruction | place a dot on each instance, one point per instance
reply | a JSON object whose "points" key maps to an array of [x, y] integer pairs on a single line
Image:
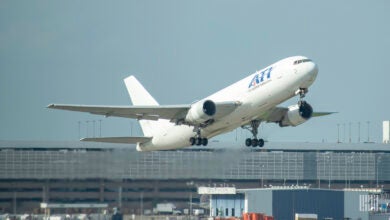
{"points": [[245, 103]]}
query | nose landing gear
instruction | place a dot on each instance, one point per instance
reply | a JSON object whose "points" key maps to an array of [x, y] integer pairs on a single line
{"points": [[302, 93], [253, 128]]}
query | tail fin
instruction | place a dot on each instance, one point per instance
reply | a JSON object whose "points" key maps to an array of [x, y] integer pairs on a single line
{"points": [[140, 96]]}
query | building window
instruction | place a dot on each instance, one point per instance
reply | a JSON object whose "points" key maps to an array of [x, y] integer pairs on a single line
{"points": [[227, 212]]}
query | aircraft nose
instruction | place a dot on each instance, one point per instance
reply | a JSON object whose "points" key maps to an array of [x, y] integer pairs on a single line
{"points": [[312, 70], [309, 72]]}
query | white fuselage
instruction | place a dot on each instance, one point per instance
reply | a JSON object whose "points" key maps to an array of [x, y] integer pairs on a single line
{"points": [[257, 93]]}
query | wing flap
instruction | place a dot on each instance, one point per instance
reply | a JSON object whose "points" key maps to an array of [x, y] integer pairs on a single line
{"points": [[119, 140]]}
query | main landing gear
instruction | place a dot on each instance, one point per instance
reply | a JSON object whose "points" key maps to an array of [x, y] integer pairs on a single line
{"points": [[253, 128], [198, 140]]}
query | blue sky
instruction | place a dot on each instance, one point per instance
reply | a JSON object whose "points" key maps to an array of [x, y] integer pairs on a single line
{"points": [[79, 52]]}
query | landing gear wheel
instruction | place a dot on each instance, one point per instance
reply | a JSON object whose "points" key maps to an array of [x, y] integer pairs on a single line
{"points": [[261, 143], [253, 128], [198, 141], [248, 142], [192, 141], [205, 141], [255, 142]]}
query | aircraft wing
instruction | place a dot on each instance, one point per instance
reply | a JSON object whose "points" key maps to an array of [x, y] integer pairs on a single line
{"points": [[318, 114], [120, 140], [155, 112], [137, 112], [276, 114]]}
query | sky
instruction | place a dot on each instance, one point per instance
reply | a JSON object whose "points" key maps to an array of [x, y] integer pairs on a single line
{"points": [[79, 52]]}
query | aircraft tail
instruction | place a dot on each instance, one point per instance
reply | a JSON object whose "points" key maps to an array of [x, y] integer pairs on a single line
{"points": [[140, 96]]}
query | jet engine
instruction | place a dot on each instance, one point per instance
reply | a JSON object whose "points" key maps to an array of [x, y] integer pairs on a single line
{"points": [[297, 114], [200, 112]]}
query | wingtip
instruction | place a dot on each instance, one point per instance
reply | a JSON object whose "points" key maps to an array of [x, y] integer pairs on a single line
{"points": [[50, 106], [316, 114], [131, 77]]}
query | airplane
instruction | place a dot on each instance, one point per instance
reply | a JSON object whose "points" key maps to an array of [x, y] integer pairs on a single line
{"points": [[246, 104]]}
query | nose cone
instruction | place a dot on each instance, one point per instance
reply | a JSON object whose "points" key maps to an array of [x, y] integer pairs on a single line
{"points": [[310, 72], [313, 69]]}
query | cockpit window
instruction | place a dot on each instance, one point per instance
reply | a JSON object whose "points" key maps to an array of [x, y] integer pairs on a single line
{"points": [[301, 61]]}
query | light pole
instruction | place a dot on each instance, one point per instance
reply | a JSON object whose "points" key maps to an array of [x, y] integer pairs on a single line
{"points": [[93, 127], [338, 133], [87, 127], [350, 132], [100, 127], [368, 131], [343, 132], [359, 132], [79, 122]]}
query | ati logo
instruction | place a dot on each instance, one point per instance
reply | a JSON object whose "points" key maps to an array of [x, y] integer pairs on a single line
{"points": [[259, 77]]}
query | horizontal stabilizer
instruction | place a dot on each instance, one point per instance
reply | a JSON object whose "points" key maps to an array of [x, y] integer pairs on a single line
{"points": [[119, 140]]}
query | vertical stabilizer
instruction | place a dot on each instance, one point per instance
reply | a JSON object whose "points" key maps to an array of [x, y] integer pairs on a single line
{"points": [[140, 96]]}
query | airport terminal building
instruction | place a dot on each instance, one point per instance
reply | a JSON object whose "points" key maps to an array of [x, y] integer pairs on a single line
{"points": [[116, 174]]}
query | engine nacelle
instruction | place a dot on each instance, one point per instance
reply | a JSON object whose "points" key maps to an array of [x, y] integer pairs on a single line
{"points": [[200, 112], [297, 114]]}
